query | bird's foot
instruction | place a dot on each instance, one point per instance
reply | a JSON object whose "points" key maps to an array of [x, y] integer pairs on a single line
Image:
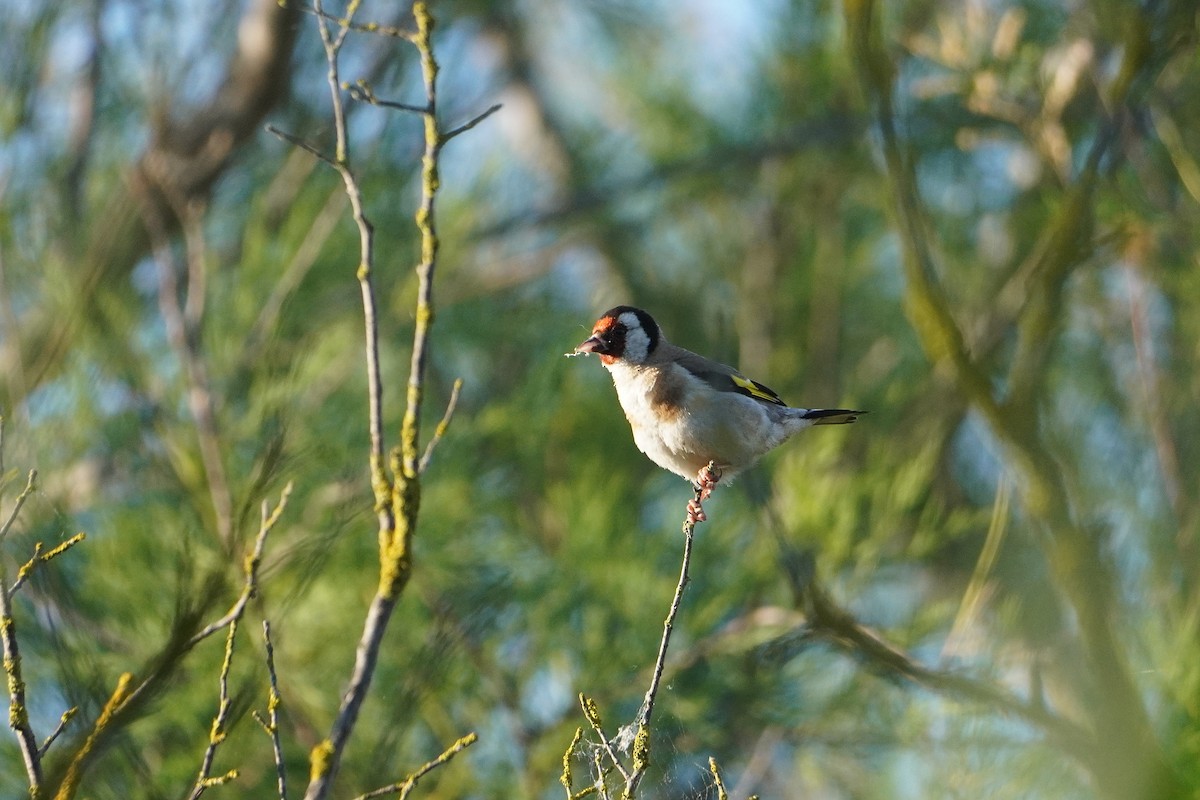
{"points": [[706, 481]]}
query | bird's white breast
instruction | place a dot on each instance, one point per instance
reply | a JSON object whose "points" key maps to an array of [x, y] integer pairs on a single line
{"points": [[681, 423]]}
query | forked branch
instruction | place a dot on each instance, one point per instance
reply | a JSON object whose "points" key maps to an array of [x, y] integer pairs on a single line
{"points": [[396, 482]]}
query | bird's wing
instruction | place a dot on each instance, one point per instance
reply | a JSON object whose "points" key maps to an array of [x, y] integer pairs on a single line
{"points": [[724, 378]]}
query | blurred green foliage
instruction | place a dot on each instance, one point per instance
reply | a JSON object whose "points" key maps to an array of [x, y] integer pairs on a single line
{"points": [[724, 166]]}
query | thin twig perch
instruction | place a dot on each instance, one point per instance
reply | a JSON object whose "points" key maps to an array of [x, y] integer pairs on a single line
{"points": [[637, 733]]}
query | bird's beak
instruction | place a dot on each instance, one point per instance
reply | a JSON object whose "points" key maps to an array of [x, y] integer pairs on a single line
{"points": [[593, 344]]}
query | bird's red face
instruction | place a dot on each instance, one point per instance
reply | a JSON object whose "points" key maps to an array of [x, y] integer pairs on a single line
{"points": [[607, 340], [623, 333]]}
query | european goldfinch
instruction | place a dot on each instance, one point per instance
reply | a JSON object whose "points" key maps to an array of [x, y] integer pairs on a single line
{"points": [[687, 411]]}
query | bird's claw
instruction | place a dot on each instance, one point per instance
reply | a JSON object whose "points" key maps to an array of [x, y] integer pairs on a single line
{"points": [[706, 481]]}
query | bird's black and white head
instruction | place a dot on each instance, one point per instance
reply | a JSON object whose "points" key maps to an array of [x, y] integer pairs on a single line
{"points": [[625, 334]]}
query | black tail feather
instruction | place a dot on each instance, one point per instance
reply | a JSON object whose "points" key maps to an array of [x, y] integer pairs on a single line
{"points": [[832, 416]]}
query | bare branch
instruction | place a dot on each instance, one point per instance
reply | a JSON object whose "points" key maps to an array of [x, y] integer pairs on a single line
{"points": [[410, 426], [217, 733], [303, 145], [408, 784], [30, 486], [647, 709], [395, 485], [440, 431], [18, 712], [74, 774], [636, 735], [566, 778], [722, 794], [471, 124], [592, 715], [253, 561], [601, 772], [361, 90], [63, 721], [380, 482], [325, 757], [38, 558], [271, 724], [251, 566], [641, 741], [361, 27]]}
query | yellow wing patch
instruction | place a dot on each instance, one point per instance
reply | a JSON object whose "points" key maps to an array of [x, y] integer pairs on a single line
{"points": [[755, 389]]}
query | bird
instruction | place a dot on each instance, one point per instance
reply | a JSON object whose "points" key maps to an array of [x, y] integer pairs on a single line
{"points": [[690, 415]]}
